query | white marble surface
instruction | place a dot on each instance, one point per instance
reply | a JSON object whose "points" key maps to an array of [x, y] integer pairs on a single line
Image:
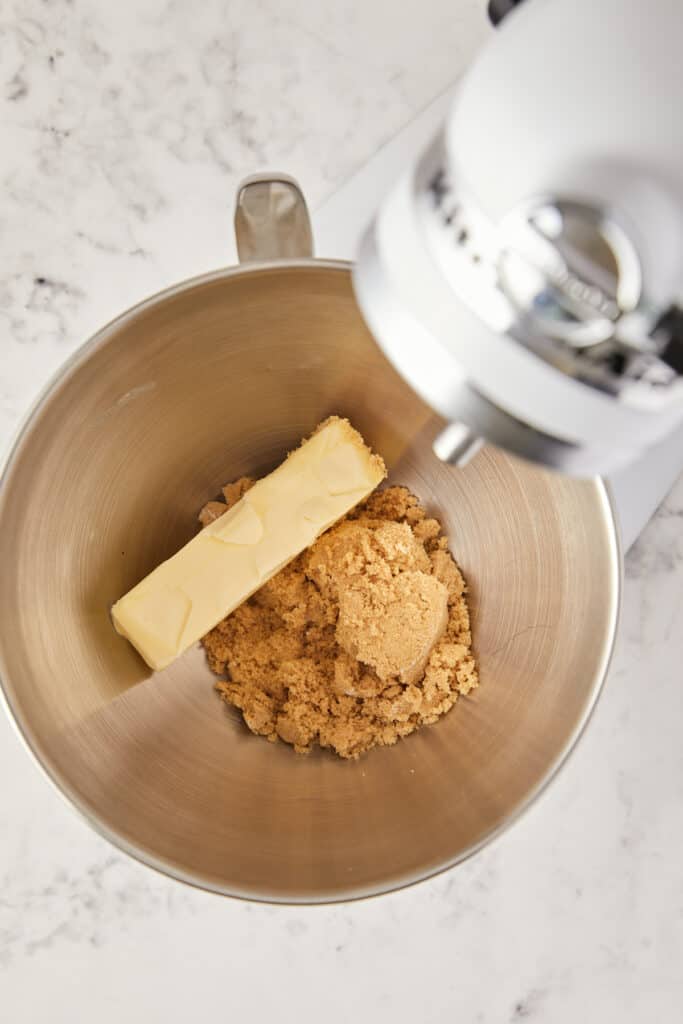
{"points": [[125, 128]]}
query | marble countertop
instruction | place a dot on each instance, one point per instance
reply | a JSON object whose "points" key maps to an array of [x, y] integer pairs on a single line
{"points": [[125, 129]]}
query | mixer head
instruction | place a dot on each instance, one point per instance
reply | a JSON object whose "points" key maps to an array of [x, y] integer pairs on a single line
{"points": [[525, 276]]}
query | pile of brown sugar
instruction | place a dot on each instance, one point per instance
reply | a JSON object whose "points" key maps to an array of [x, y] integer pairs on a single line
{"points": [[359, 641]]}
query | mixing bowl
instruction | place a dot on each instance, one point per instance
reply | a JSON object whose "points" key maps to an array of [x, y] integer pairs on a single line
{"points": [[207, 381]]}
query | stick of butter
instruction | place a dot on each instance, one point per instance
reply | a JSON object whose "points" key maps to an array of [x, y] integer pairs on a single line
{"points": [[280, 516]]}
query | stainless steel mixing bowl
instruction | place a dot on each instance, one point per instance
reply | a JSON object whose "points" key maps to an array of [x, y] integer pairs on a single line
{"points": [[218, 377]]}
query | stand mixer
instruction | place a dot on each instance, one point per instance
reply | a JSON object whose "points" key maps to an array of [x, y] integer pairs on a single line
{"points": [[526, 275], [531, 302]]}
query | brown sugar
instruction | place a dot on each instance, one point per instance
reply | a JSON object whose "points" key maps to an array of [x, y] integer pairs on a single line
{"points": [[357, 642], [232, 494], [392, 625]]}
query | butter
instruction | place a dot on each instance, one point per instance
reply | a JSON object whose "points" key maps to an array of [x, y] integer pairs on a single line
{"points": [[280, 516]]}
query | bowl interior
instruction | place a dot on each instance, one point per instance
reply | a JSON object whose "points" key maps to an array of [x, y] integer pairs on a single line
{"points": [[192, 389]]}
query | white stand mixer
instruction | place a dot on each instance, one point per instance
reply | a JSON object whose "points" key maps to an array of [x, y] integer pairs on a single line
{"points": [[525, 275]]}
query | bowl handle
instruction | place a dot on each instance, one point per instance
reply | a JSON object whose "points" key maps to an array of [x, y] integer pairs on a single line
{"points": [[271, 219]]}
